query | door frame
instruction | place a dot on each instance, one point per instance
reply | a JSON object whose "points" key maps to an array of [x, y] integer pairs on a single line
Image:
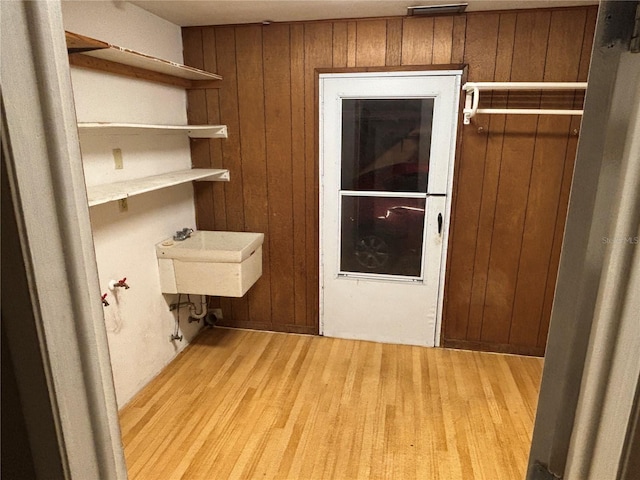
{"points": [[459, 70], [588, 401], [52, 319]]}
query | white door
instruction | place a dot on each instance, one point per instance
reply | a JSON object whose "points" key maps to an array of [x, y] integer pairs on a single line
{"points": [[386, 158]]}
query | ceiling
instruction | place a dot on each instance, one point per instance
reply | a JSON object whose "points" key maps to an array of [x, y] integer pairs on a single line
{"points": [[221, 12]]}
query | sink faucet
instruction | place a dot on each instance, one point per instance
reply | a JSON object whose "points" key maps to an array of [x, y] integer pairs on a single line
{"points": [[183, 234]]}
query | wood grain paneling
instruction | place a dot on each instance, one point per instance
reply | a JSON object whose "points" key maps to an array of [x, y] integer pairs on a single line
{"points": [[417, 41], [236, 308], [298, 175], [228, 101], [371, 43], [458, 38], [529, 52], [219, 206], [545, 186], [510, 302], [480, 55], [197, 114], [317, 37], [340, 44], [442, 40], [563, 202], [512, 177], [394, 42], [277, 88], [210, 64], [351, 44], [251, 112], [491, 175]]}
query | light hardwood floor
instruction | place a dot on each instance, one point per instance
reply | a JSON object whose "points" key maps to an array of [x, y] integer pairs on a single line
{"points": [[247, 405]]}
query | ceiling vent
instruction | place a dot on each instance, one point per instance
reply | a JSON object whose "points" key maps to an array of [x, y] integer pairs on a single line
{"points": [[431, 10]]}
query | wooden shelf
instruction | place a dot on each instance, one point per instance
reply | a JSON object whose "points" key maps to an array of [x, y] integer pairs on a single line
{"points": [[95, 54], [99, 194], [193, 131]]}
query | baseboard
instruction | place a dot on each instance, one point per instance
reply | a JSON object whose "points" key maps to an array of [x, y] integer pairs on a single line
{"points": [[272, 327], [494, 347]]}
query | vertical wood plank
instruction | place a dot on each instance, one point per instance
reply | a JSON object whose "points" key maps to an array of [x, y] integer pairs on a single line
{"points": [[253, 148], [340, 44], [417, 41], [530, 45], [236, 309], [458, 38], [442, 40], [213, 116], [351, 43], [197, 114], [554, 261], [196, 99], [215, 151], [529, 53], [562, 64], [371, 43], [587, 43], [563, 61], [537, 241], [277, 93], [480, 45], [493, 158], [480, 54], [563, 202], [504, 53], [298, 173], [231, 154], [317, 37], [394, 42], [192, 46]]}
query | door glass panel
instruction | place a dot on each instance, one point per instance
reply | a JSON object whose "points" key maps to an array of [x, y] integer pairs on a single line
{"points": [[386, 144], [382, 235]]}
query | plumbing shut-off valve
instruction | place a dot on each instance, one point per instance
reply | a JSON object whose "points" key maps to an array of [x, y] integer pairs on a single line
{"points": [[113, 284]]}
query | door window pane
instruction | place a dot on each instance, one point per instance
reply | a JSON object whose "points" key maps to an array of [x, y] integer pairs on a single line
{"points": [[382, 235], [386, 144]]}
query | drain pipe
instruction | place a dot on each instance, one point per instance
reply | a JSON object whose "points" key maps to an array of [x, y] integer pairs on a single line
{"points": [[204, 304]]}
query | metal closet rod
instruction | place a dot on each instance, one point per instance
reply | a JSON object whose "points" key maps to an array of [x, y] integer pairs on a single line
{"points": [[473, 97]]}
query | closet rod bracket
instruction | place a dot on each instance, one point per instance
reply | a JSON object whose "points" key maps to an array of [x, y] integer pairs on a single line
{"points": [[473, 89]]}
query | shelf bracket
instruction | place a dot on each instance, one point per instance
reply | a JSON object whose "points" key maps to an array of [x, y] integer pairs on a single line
{"points": [[218, 177]]}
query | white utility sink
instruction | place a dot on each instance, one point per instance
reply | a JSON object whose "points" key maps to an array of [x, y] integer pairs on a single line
{"points": [[224, 264]]}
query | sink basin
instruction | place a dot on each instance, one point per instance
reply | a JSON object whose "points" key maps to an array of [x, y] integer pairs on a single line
{"points": [[224, 264]]}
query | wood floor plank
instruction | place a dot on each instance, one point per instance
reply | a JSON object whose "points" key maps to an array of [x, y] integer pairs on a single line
{"points": [[247, 405]]}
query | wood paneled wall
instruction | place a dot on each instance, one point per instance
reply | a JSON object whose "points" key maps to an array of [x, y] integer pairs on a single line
{"points": [[512, 179]]}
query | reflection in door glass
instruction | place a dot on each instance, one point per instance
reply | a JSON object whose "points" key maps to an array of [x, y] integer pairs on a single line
{"points": [[382, 235], [386, 144]]}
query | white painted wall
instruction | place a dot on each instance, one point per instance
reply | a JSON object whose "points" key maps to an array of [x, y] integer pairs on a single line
{"points": [[138, 320]]}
